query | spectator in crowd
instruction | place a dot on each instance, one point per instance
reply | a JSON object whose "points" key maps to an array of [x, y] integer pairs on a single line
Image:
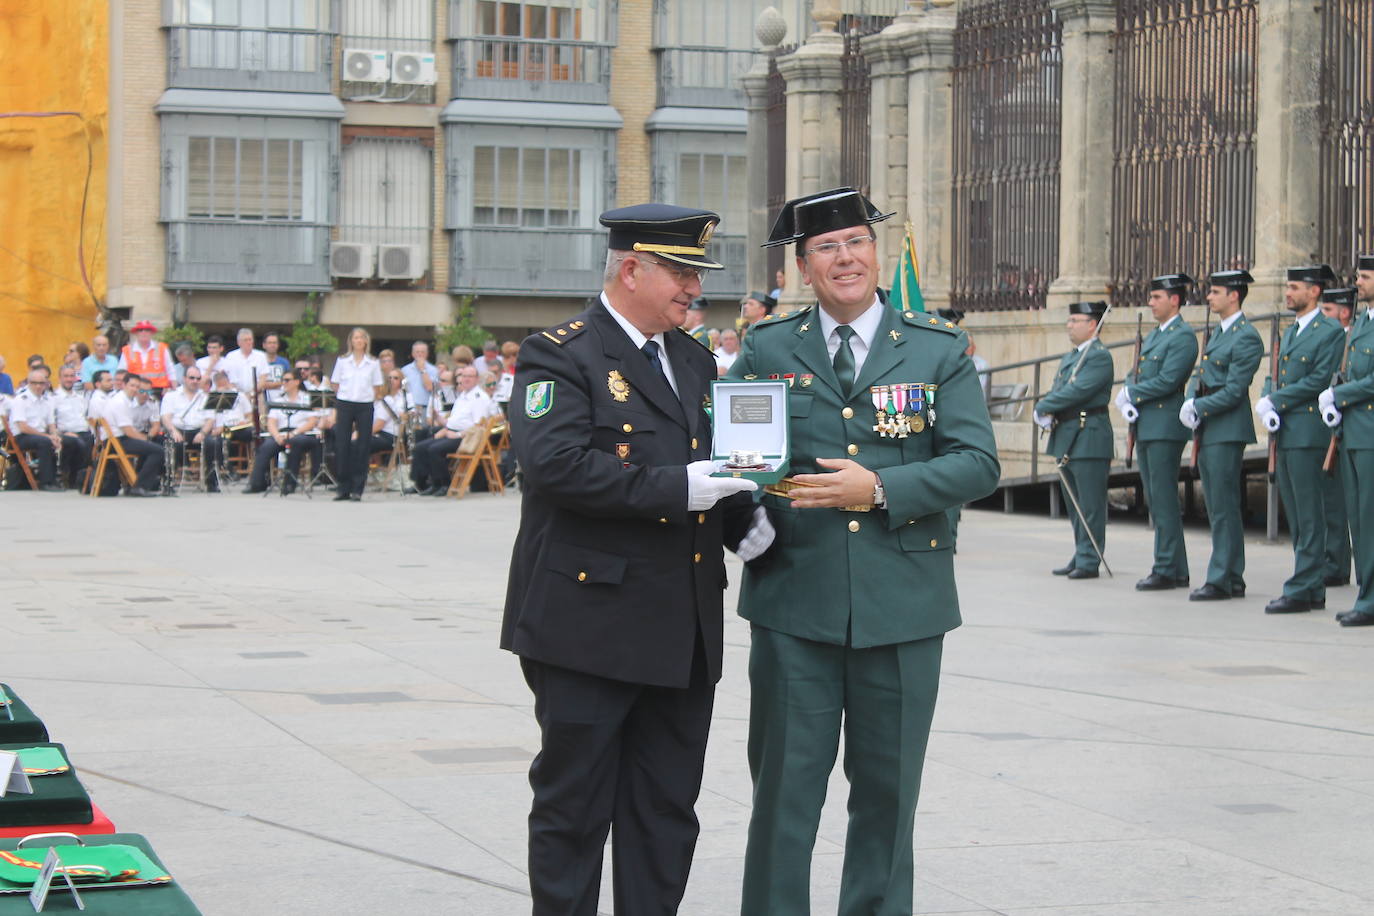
{"points": [[420, 375], [386, 361], [76, 354], [100, 358], [6, 383], [147, 357], [247, 366], [460, 356], [210, 363], [779, 281], [185, 356], [490, 358], [727, 351], [271, 348]]}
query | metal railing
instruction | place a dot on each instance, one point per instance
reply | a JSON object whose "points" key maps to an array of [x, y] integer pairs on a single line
{"points": [[215, 254], [218, 57], [1183, 180], [1345, 120], [529, 69], [702, 77]]}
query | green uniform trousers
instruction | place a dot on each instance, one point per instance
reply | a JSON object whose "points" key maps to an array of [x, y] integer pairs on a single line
{"points": [[1220, 466], [1357, 472], [802, 694], [1159, 474], [1088, 477], [1337, 565], [1300, 487]]}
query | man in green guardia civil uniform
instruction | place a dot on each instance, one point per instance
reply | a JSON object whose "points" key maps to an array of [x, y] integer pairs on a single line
{"points": [[1218, 410], [849, 605], [1151, 401], [1309, 353], [1350, 405], [1075, 413], [1338, 305]]}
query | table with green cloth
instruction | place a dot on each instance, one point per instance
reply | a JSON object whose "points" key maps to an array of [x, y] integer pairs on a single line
{"points": [[24, 726], [158, 900], [58, 799]]}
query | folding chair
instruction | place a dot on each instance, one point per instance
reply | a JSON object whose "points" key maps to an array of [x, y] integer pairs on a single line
{"points": [[110, 450], [483, 455], [22, 457]]}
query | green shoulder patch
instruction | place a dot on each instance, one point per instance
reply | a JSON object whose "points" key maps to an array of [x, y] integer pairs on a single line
{"points": [[538, 399]]}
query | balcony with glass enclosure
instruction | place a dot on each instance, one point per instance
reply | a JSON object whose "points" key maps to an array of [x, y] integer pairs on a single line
{"points": [[549, 50], [270, 45]]}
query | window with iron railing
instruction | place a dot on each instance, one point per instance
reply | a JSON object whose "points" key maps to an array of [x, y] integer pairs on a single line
{"points": [[388, 51], [281, 45], [554, 50], [696, 169], [386, 200], [531, 187]]}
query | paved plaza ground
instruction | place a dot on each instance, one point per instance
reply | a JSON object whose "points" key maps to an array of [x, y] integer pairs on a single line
{"points": [[302, 705]]}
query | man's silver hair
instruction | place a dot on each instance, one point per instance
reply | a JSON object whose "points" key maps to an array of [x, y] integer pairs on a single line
{"points": [[613, 259], [242, 331]]}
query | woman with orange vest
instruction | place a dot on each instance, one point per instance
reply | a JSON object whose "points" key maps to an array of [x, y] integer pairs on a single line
{"points": [[148, 358]]}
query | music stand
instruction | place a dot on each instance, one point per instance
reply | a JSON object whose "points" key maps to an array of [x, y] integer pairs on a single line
{"points": [[288, 408], [322, 399], [216, 401]]}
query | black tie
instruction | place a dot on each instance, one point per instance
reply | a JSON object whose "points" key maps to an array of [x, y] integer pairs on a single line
{"points": [[650, 349], [844, 359]]}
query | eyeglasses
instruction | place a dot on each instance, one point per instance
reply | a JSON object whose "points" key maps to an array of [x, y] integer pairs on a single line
{"points": [[684, 275], [857, 243]]}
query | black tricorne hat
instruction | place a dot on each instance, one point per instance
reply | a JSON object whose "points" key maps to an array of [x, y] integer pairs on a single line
{"points": [[838, 208], [1171, 282], [1365, 262], [1344, 295], [674, 233], [1232, 279], [1321, 274], [699, 304], [954, 315], [1093, 309]]}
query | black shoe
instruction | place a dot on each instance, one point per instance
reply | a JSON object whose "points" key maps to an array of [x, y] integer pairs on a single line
{"points": [[1238, 591], [436, 490], [356, 497], [212, 488], [341, 497], [1318, 604], [1063, 570], [415, 491], [1082, 574], [1286, 605], [1356, 618], [1209, 592], [250, 489], [288, 488], [1336, 581], [1154, 582]]}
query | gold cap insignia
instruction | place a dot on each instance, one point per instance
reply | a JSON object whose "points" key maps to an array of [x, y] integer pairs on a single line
{"points": [[706, 232]]}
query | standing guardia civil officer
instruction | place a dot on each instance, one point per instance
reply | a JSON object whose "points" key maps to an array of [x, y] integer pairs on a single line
{"points": [[1218, 410], [849, 607], [1339, 306], [1151, 401], [1308, 355], [615, 597], [1075, 413], [1350, 405]]}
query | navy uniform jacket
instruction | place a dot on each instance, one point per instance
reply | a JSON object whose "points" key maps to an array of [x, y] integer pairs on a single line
{"points": [[610, 574]]}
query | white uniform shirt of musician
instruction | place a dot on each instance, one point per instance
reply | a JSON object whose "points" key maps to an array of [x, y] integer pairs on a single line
{"points": [[472, 406], [98, 407], [235, 415], [121, 410], [283, 424], [240, 363], [69, 405], [382, 419], [32, 414], [441, 403], [183, 409], [146, 409], [354, 380]]}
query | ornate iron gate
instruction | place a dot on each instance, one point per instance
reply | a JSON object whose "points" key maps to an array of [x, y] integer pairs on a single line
{"points": [[856, 91], [1007, 89], [1346, 118], [1183, 182]]}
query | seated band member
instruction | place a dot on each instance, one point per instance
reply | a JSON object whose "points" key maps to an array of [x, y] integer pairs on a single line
{"points": [[230, 425], [184, 416], [147, 456], [146, 409], [34, 426], [439, 405], [429, 462], [289, 429], [389, 414], [69, 411]]}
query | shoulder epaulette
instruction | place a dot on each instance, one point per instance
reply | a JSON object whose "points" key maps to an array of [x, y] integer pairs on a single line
{"points": [[775, 318], [929, 322], [702, 344], [562, 333]]}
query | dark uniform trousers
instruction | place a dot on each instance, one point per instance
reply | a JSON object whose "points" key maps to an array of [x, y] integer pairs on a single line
{"points": [[148, 458], [214, 453], [352, 454], [615, 756], [297, 447], [76, 456], [42, 449], [428, 458]]}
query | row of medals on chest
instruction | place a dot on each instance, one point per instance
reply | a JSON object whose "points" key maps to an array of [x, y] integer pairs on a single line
{"points": [[901, 410]]}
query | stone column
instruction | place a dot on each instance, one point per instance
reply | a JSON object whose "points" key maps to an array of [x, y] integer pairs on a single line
{"points": [[1085, 159], [814, 79], [770, 29], [1288, 93]]}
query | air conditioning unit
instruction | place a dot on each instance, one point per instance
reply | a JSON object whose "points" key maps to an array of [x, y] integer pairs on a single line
{"points": [[412, 67], [352, 259], [401, 262], [363, 66]]}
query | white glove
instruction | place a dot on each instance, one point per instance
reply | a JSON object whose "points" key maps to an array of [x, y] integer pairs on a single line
{"points": [[1331, 417], [1187, 415], [1326, 399], [1043, 421], [759, 538], [1123, 397], [704, 491], [1130, 413], [1264, 406], [1271, 421]]}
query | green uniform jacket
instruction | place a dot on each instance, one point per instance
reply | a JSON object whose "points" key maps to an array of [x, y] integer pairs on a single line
{"points": [[1355, 399], [1306, 362], [887, 576], [1166, 360], [1229, 362], [1091, 389]]}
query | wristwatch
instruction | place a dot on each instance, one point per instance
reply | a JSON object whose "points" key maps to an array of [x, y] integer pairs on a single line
{"points": [[879, 494]]}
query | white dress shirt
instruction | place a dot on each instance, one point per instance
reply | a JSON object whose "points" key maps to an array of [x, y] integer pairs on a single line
{"points": [[1230, 320], [235, 415], [1304, 320], [36, 411], [865, 329], [397, 403], [239, 367], [638, 339], [288, 420], [471, 408], [184, 411], [356, 381], [69, 409], [120, 411]]}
